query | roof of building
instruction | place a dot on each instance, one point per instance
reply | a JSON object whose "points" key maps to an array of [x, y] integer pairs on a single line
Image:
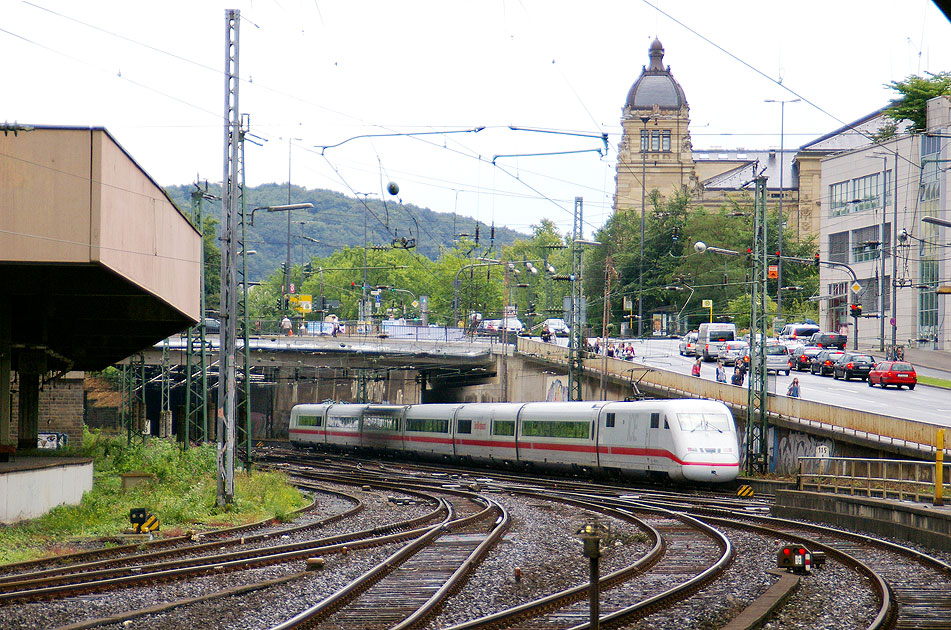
{"points": [[738, 166], [656, 85], [850, 136]]}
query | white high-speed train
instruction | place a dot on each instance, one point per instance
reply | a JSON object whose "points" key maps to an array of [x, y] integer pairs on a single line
{"points": [[684, 439]]}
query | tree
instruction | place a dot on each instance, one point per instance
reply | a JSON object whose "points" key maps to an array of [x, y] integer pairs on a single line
{"points": [[914, 94]]}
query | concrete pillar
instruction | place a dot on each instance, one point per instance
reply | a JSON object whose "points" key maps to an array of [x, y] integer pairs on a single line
{"points": [[29, 409], [6, 352]]}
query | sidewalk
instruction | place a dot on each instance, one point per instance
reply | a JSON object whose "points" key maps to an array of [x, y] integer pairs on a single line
{"points": [[939, 360]]}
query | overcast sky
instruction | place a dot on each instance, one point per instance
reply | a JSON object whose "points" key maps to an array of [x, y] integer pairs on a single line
{"points": [[315, 73]]}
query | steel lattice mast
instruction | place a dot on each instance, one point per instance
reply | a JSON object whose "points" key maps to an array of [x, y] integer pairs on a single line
{"points": [[756, 401], [229, 251]]}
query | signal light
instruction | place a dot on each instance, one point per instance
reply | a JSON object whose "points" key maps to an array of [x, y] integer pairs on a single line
{"points": [[817, 260], [855, 310]]}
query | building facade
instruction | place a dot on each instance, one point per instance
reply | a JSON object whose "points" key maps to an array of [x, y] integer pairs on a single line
{"points": [[872, 209]]}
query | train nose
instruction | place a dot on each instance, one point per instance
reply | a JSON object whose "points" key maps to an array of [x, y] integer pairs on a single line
{"points": [[711, 467]]}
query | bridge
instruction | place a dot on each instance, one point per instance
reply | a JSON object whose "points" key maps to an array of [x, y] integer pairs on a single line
{"points": [[443, 365]]}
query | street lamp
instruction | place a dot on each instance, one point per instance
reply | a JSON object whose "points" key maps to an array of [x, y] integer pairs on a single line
{"points": [[645, 145], [779, 232], [285, 208]]}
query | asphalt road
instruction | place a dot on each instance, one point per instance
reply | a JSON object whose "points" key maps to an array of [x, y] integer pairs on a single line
{"points": [[925, 404]]}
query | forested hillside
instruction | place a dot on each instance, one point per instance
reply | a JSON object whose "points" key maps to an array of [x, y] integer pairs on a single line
{"points": [[337, 221]]}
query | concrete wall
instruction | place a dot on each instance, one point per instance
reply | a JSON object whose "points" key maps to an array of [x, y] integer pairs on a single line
{"points": [[40, 485]]}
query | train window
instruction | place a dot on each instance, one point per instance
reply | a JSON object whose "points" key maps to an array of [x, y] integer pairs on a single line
{"points": [[609, 421], [666, 426], [381, 423], [503, 427], [558, 429], [655, 420], [341, 421], [464, 426], [309, 421], [429, 425], [704, 422]]}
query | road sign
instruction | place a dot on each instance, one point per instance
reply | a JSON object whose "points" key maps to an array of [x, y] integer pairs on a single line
{"points": [[415, 304], [305, 303], [628, 303], [856, 287], [773, 271], [707, 304]]}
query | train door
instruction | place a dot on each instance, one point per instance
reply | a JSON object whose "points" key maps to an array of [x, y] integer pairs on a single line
{"points": [[655, 440]]}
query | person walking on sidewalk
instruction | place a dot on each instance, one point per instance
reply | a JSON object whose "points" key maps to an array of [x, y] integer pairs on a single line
{"points": [[793, 391]]}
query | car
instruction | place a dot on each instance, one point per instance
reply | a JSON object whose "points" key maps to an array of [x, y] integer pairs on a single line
{"points": [[829, 340], [489, 326], [512, 324], [688, 345], [735, 351], [895, 373], [558, 327], [801, 356], [212, 326], [852, 364], [821, 364], [777, 358]]}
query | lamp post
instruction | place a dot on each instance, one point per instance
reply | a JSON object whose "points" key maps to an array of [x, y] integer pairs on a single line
{"points": [[287, 269], [779, 228], [645, 145]]}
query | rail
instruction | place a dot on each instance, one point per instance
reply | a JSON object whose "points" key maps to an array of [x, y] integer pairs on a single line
{"points": [[885, 478]]}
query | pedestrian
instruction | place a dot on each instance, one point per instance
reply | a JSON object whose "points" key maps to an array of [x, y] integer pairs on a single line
{"points": [[721, 372], [286, 326], [737, 376], [546, 334], [695, 370], [793, 390], [303, 328]]}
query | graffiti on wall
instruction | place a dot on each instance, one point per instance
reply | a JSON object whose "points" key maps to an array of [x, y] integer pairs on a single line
{"points": [[557, 391], [786, 447]]}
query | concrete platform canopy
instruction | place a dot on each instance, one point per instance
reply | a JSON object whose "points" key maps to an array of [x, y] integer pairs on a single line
{"points": [[96, 262]]}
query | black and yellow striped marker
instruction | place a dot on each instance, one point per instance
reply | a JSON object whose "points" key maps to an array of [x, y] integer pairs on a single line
{"points": [[745, 491]]}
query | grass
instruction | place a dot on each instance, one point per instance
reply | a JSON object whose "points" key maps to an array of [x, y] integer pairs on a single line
{"points": [[183, 497], [934, 382]]}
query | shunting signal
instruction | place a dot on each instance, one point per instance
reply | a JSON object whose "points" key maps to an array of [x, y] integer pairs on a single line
{"points": [[745, 491], [142, 521]]}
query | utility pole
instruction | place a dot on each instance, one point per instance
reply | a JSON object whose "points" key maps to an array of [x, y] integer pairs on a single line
{"points": [[881, 254], [229, 209], [575, 364], [196, 390], [756, 451], [608, 272]]}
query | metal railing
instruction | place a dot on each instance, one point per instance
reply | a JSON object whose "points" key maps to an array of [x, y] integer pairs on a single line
{"points": [[882, 478]]}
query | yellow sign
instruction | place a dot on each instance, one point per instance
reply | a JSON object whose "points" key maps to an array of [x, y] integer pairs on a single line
{"points": [[745, 491], [302, 303], [707, 304]]}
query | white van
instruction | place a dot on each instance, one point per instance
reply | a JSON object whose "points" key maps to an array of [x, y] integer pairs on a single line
{"points": [[712, 338], [798, 332]]}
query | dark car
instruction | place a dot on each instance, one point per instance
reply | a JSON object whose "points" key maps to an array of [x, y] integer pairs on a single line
{"points": [[895, 373], [853, 364], [821, 364], [829, 340], [212, 326], [801, 356]]}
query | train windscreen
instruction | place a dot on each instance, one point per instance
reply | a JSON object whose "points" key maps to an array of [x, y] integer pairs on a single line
{"points": [[704, 422]]}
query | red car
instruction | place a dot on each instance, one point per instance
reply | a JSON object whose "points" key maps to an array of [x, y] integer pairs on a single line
{"points": [[896, 373]]}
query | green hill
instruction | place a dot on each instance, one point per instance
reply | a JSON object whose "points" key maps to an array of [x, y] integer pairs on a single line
{"points": [[337, 221]]}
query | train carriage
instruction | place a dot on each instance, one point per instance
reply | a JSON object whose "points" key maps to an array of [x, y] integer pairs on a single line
{"points": [[308, 424], [559, 434], [382, 427], [485, 432], [427, 429], [343, 425]]}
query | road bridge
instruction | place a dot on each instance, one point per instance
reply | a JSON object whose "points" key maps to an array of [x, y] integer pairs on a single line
{"points": [[289, 370]]}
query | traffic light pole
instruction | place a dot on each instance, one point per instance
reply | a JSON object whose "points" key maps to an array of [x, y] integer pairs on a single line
{"points": [[855, 309]]}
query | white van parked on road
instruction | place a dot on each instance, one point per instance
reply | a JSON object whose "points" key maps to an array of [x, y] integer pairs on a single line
{"points": [[713, 337]]}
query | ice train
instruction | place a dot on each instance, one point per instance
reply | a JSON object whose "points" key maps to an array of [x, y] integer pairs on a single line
{"points": [[692, 440]]}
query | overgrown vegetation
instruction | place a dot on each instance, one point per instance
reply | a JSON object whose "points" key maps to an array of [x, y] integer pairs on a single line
{"points": [[183, 497]]}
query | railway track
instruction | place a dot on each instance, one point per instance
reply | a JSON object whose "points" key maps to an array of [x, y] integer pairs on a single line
{"points": [[406, 588]]}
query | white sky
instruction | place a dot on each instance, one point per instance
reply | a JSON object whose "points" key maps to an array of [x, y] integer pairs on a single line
{"points": [[320, 72]]}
